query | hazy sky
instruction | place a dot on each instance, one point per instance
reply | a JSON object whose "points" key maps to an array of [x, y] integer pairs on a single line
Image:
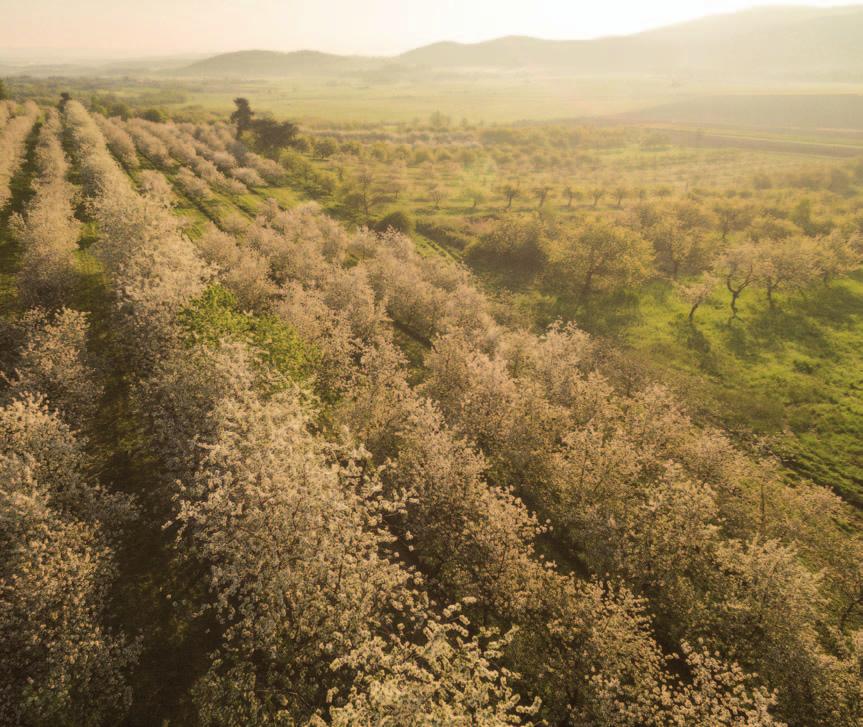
{"points": [[148, 27]]}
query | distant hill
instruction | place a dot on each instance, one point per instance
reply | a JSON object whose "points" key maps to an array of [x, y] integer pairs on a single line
{"points": [[91, 67], [777, 43], [267, 64]]}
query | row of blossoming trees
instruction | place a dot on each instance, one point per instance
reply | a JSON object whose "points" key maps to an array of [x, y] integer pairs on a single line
{"points": [[504, 529], [63, 660]]}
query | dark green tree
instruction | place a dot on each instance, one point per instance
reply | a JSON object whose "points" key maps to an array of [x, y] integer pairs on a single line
{"points": [[273, 135], [157, 116], [242, 115], [4, 94]]}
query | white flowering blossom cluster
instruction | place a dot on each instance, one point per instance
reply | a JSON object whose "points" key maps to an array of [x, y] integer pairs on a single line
{"points": [[48, 230], [13, 138], [63, 663], [153, 267]]}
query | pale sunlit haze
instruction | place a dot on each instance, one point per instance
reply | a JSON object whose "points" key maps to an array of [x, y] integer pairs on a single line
{"points": [[109, 27]]}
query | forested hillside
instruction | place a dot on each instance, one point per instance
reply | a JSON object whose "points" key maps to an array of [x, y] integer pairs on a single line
{"points": [[268, 462]]}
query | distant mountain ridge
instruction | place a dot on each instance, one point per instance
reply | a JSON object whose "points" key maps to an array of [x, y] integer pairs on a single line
{"points": [[772, 42], [267, 63]]}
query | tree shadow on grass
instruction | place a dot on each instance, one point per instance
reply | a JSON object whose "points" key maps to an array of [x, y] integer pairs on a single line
{"points": [[609, 315], [89, 236], [689, 335], [773, 328], [804, 320], [835, 305], [739, 342]]}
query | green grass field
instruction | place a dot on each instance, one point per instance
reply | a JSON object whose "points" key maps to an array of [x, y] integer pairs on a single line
{"points": [[483, 97], [488, 99], [794, 373]]}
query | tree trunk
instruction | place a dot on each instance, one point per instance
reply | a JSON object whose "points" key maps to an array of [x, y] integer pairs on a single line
{"points": [[735, 294], [692, 314], [587, 285]]}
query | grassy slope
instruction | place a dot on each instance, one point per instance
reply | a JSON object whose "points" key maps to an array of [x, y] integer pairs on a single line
{"points": [[795, 372], [792, 376]]}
